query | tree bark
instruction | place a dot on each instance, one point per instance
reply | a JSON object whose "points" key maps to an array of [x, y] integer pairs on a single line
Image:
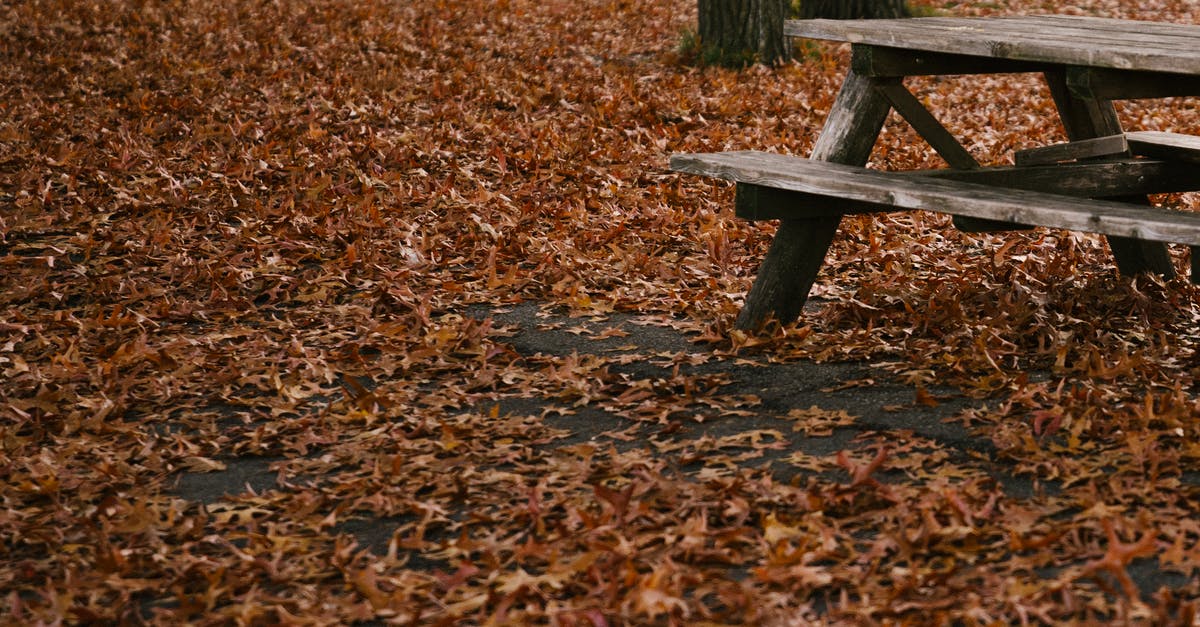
{"points": [[853, 9], [740, 32]]}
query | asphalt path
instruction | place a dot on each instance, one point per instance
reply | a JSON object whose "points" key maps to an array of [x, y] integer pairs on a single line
{"points": [[875, 398]]}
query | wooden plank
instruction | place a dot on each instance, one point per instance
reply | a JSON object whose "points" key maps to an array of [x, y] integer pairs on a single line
{"points": [[1101, 33], [1029, 31], [945, 196], [884, 62], [1108, 27], [1109, 84], [1124, 45], [1071, 151], [755, 202], [927, 126], [1162, 145], [1084, 180], [1126, 177], [1085, 119], [798, 250]]}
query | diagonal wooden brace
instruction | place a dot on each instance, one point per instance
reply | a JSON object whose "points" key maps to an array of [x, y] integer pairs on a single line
{"points": [[944, 143]]}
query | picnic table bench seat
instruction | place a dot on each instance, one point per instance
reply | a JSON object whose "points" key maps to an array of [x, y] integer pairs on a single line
{"points": [[775, 186]]}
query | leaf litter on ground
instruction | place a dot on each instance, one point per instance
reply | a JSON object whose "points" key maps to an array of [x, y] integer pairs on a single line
{"points": [[243, 231]]}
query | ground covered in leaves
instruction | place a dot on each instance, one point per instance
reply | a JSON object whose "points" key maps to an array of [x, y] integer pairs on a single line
{"points": [[330, 311]]}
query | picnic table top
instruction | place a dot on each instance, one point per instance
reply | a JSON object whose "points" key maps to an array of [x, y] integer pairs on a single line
{"points": [[1055, 39]]}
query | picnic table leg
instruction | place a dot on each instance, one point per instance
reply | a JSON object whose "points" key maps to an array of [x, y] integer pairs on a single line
{"points": [[798, 250], [1087, 119]]}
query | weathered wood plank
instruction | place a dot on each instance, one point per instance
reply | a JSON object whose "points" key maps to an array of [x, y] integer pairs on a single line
{"points": [[1094, 34], [1084, 180], [932, 131], [926, 125], [1126, 177], [755, 202], [798, 251], [778, 204], [945, 196], [1029, 31], [1109, 84], [1119, 44], [1165, 145], [1164, 31], [854, 122], [1071, 151], [884, 62]]}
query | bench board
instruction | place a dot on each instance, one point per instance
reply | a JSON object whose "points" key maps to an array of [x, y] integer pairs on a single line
{"points": [[890, 189], [1093, 179], [1124, 177], [1071, 151], [1165, 145]]}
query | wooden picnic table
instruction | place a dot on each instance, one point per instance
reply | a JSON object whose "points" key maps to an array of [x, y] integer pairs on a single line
{"points": [[1096, 182]]}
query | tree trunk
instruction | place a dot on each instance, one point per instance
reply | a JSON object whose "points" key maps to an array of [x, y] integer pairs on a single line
{"points": [[853, 9], [740, 32]]}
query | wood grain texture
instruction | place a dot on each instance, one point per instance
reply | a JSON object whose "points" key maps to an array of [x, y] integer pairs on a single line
{"points": [[1082, 118], [1109, 84], [1064, 40], [884, 62], [942, 141], [1083, 149], [927, 126], [798, 251], [952, 197], [1165, 145], [1097, 179], [1085, 180], [755, 202]]}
